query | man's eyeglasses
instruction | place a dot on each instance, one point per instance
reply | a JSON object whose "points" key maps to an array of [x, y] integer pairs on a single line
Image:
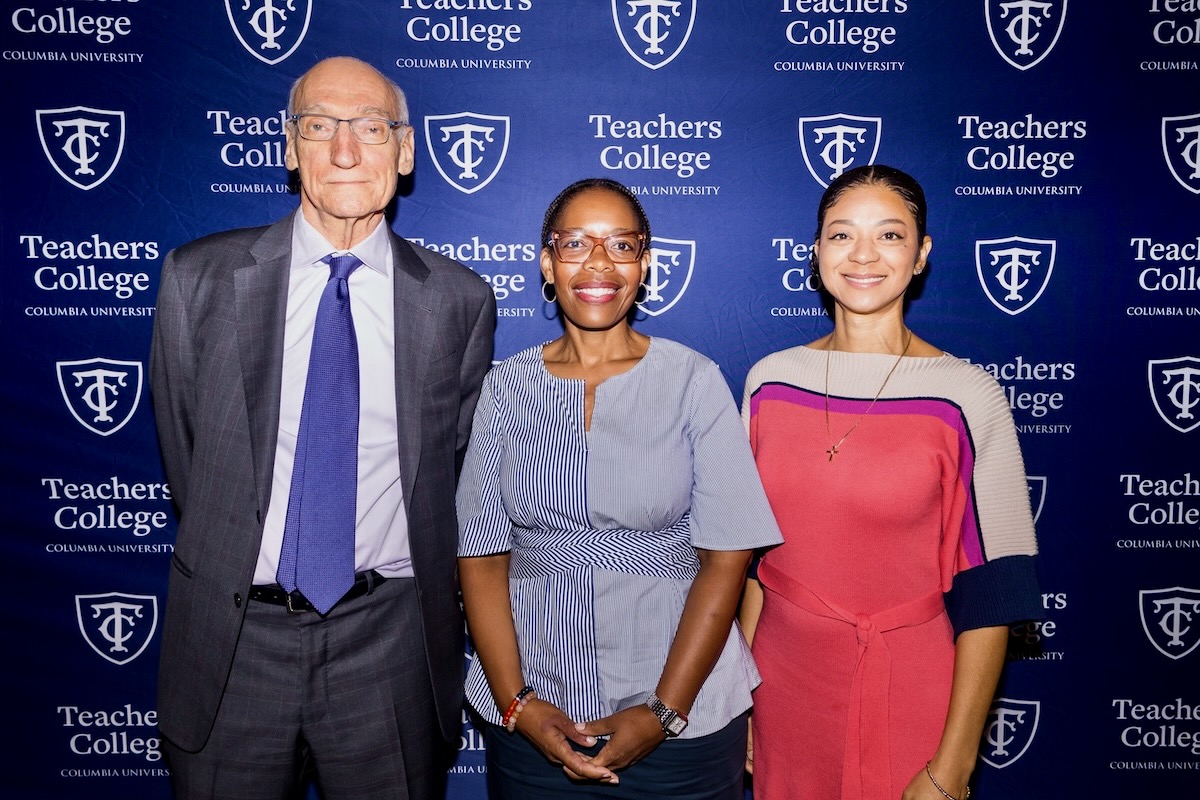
{"points": [[322, 128], [574, 247]]}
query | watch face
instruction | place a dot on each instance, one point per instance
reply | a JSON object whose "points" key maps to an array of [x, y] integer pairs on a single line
{"points": [[675, 726]]}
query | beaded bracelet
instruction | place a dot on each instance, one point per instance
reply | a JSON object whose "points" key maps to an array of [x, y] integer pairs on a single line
{"points": [[520, 700], [938, 786]]}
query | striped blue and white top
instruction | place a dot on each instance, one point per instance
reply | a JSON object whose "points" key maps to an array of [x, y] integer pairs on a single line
{"points": [[603, 525]]}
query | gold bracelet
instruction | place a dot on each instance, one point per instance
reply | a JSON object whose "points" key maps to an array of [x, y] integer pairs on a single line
{"points": [[938, 786]]}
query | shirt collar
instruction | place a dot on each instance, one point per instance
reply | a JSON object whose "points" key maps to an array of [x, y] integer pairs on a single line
{"points": [[309, 246]]}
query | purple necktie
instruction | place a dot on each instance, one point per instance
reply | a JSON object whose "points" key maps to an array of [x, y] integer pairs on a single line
{"points": [[318, 533]]}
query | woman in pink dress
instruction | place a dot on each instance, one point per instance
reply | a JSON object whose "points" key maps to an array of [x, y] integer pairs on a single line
{"points": [[880, 624]]}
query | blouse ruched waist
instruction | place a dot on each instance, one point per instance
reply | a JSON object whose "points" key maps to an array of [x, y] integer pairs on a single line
{"points": [[665, 553]]}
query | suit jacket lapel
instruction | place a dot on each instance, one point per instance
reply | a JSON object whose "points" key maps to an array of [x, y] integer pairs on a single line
{"points": [[261, 296], [414, 314]]}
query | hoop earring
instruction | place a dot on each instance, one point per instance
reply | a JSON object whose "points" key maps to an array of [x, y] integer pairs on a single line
{"points": [[549, 300]]}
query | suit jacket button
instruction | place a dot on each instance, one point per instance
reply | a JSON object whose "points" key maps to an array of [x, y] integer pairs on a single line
{"points": [[237, 599]]}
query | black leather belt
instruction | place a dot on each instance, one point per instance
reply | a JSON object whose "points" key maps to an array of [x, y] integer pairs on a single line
{"points": [[297, 603]]}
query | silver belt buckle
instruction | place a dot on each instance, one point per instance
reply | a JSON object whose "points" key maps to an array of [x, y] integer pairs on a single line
{"points": [[292, 610]]}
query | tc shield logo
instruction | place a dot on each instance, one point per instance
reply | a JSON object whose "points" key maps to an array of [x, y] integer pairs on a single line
{"points": [[1009, 730], [1175, 390], [833, 144], [1171, 619], [467, 149], [669, 273], [1037, 494], [1024, 31], [270, 30], [1014, 271], [102, 394], [654, 31], [1181, 149], [83, 144], [117, 626]]}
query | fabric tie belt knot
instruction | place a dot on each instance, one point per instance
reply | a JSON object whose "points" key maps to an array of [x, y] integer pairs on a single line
{"points": [[864, 628]]}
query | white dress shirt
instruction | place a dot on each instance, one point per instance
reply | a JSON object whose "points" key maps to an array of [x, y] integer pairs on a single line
{"points": [[381, 529]]}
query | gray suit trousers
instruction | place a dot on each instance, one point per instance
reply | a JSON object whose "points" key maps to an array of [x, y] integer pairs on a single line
{"points": [[347, 695]]}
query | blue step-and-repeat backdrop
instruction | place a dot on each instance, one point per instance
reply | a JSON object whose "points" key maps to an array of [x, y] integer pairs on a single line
{"points": [[1060, 147]]}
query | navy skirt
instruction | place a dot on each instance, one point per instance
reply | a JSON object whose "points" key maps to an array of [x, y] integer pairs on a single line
{"points": [[707, 768]]}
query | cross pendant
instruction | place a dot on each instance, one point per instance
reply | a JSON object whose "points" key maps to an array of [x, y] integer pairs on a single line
{"points": [[833, 451]]}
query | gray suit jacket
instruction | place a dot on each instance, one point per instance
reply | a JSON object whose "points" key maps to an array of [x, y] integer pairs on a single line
{"points": [[215, 373]]}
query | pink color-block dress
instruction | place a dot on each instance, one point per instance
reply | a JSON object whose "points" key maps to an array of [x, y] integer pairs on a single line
{"points": [[919, 528]]}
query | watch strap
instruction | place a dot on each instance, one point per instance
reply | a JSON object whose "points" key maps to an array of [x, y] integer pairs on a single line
{"points": [[673, 722]]}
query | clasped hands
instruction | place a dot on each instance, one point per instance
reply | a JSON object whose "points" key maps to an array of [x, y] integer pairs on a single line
{"points": [[632, 735]]}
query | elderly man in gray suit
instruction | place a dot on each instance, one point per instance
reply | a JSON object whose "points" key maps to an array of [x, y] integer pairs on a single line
{"points": [[314, 382]]}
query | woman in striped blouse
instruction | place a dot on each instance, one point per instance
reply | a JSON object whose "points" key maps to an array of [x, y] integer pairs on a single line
{"points": [[607, 508]]}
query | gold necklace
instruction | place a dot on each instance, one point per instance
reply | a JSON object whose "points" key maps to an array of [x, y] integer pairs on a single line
{"points": [[833, 448]]}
